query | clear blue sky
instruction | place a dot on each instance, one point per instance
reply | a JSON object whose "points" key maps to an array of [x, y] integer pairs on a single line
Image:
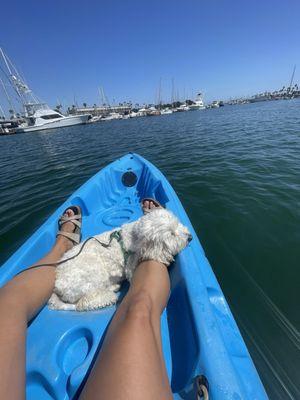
{"points": [[225, 48]]}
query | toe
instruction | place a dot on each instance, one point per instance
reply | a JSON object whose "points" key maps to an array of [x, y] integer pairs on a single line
{"points": [[69, 213], [68, 226]]}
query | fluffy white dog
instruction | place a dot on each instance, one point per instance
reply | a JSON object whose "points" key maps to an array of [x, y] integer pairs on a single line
{"points": [[91, 279]]}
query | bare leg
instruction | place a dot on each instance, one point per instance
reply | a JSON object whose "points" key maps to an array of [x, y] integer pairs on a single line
{"points": [[20, 299], [130, 365]]}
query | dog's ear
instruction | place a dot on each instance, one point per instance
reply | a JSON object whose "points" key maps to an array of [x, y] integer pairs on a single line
{"points": [[154, 236], [150, 244], [155, 250]]}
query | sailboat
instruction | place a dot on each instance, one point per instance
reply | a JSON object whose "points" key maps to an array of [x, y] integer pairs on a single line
{"points": [[38, 115]]}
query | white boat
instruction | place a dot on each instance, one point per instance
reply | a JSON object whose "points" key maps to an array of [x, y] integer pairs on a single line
{"points": [[139, 113], [96, 118], [183, 107], [166, 111], [216, 104], [151, 111], [142, 112], [42, 117], [112, 116], [37, 115], [198, 103]]}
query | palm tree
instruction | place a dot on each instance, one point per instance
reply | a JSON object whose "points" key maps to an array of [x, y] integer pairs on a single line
{"points": [[58, 108]]}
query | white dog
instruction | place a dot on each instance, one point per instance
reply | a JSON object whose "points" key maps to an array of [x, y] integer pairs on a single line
{"points": [[91, 279]]}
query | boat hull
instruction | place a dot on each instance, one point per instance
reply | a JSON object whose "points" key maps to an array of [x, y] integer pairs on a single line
{"points": [[195, 107], [199, 334], [59, 123]]}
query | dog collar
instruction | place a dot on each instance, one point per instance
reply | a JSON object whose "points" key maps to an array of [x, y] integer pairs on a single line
{"points": [[118, 236]]}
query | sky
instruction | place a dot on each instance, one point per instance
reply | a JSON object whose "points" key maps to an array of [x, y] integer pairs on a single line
{"points": [[223, 48]]}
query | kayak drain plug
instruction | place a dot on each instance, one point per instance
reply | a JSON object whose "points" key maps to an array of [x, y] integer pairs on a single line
{"points": [[129, 179]]}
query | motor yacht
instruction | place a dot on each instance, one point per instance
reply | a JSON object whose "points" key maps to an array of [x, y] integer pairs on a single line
{"points": [[36, 114], [198, 103], [40, 117]]}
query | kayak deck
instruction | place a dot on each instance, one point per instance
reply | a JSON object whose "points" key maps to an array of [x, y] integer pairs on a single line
{"points": [[199, 333]]}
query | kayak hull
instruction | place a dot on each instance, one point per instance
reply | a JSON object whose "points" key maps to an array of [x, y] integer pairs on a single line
{"points": [[199, 333]]}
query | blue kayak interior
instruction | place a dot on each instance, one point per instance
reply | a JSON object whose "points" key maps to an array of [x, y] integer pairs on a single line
{"points": [[199, 333]]}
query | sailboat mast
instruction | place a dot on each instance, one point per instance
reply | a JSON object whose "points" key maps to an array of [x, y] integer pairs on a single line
{"points": [[173, 92], [159, 94], [2, 112], [292, 77], [100, 97], [105, 97]]}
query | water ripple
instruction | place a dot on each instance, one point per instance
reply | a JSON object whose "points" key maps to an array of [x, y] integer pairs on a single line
{"points": [[235, 169]]}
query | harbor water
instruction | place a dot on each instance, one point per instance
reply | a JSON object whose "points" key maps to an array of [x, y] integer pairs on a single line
{"points": [[236, 170]]}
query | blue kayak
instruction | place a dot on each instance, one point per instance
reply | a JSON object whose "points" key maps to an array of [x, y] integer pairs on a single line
{"points": [[199, 334]]}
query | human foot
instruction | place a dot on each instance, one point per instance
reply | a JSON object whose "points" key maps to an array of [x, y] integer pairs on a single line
{"points": [[149, 204], [69, 227]]}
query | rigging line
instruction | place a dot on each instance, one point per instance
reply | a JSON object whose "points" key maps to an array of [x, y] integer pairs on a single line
{"points": [[14, 68], [10, 81], [5, 59], [266, 358], [5, 73], [285, 324]]}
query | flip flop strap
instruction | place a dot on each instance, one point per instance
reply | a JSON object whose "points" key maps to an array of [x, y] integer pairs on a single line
{"points": [[75, 237], [73, 219], [65, 218]]}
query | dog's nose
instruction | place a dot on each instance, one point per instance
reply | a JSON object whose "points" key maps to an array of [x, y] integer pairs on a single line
{"points": [[190, 237]]}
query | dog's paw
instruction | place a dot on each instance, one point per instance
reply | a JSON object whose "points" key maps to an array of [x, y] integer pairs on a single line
{"points": [[95, 301], [54, 303]]}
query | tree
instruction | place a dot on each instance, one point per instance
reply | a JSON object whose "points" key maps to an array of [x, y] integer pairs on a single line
{"points": [[84, 105], [58, 108]]}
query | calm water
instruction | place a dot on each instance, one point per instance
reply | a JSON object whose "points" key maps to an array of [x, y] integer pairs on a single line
{"points": [[237, 171]]}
